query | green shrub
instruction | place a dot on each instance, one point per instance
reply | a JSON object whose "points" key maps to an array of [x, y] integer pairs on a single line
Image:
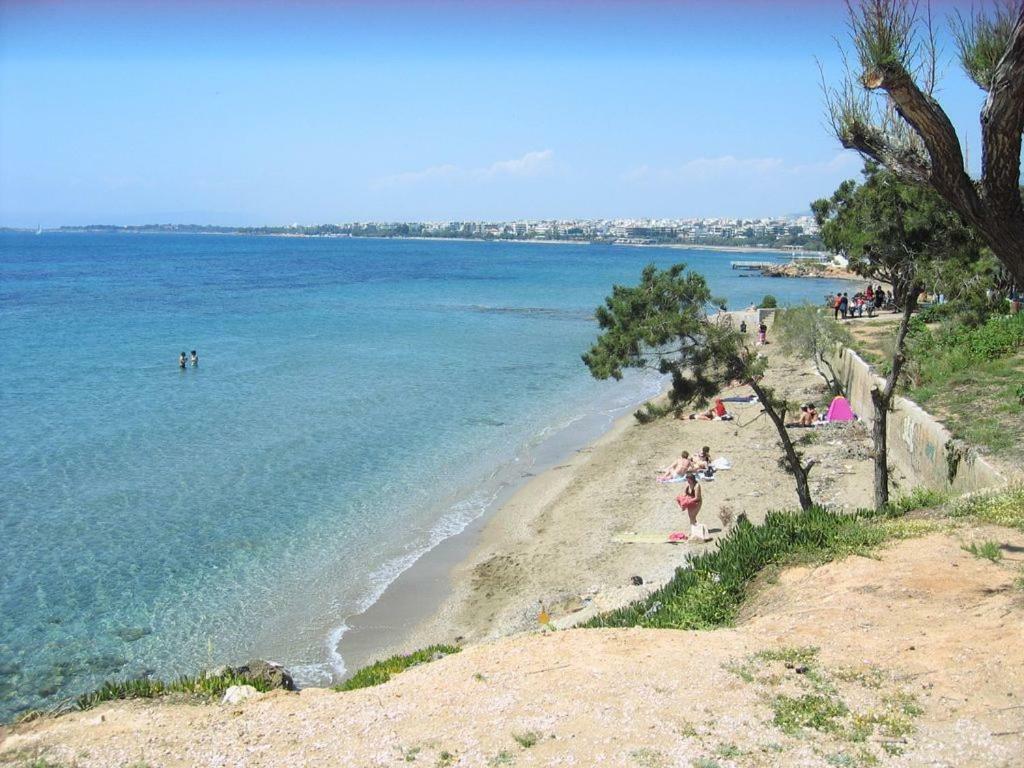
{"points": [[382, 671], [769, 302], [708, 593]]}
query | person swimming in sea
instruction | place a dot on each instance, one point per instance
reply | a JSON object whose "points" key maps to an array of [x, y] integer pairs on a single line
{"points": [[182, 361], [195, 358]]}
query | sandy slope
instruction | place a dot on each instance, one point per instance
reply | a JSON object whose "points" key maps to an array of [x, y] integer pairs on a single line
{"points": [[927, 620]]}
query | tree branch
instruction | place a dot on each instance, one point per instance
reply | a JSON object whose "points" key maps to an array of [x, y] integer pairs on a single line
{"points": [[930, 122], [876, 144], [1002, 122]]}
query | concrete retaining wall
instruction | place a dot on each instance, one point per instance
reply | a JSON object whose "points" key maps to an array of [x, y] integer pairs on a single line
{"points": [[920, 447]]}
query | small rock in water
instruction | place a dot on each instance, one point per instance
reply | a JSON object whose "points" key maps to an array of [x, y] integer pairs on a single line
{"points": [[236, 694], [131, 634]]}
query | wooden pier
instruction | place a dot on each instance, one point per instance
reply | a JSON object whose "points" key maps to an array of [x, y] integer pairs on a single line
{"points": [[752, 265]]}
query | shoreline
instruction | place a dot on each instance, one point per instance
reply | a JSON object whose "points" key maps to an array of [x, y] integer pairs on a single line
{"points": [[551, 541], [419, 591], [542, 241]]}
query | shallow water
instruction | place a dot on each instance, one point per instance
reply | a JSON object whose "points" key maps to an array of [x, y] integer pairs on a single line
{"points": [[354, 404]]}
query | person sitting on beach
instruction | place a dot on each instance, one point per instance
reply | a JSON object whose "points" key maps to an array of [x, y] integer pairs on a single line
{"points": [[182, 361], [678, 468], [808, 415], [703, 460], [195, 358], [717, 411], [690, 499]]}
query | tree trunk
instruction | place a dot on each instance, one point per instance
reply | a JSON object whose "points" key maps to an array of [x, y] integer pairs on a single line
{"points": [[878, 437], [882, 401], [771, 406]]}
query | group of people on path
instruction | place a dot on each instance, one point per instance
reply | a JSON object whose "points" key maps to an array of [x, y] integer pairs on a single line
{"points": [[868, 300], [762, 331]]}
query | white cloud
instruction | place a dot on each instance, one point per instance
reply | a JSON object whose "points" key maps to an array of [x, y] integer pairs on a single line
{"points": [[731, 167], [531, 164]]}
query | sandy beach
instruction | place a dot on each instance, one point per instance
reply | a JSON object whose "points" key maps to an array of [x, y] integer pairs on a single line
{"points": [[554, 543]]}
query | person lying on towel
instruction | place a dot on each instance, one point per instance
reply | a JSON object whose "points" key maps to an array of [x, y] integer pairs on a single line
{"points": [[678, 468]]}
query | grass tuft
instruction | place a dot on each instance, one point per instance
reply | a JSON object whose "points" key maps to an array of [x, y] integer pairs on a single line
{"points": [[526, 739], [504, 757], [986, 550]]}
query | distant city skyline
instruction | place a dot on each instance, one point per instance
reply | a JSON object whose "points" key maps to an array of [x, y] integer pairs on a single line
{"points": [[248, 114]]}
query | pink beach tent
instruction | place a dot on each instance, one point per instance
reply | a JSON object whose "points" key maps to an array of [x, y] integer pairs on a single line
{"points": [[840, 410]]}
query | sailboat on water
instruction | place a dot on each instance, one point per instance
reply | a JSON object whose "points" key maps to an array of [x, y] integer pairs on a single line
{"points": [[39, 229]]}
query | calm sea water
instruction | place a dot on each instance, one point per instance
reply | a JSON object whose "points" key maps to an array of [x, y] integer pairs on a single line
{"points": [[354, 404]]}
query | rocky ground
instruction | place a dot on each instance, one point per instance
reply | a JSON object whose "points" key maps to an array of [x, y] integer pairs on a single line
{"points": [[913, 658]]}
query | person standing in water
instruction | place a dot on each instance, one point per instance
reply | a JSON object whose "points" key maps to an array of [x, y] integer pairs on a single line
{"points": [[182, 361], [195, 358]]}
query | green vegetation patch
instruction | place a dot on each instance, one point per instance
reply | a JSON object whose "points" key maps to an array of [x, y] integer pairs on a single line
{"points": [[708, 594], [1005, 508], [820, 712], [382, 671], [970, 377], [804, 696], [210, 687], [526, 739]]}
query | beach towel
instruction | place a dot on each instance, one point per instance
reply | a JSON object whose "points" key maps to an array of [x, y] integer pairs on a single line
{"points": [[685, 502], [740, 399], [631, 537], [839, 410]]}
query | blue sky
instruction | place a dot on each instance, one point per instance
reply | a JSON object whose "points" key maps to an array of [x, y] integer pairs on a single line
{"points": [[272, 112]]}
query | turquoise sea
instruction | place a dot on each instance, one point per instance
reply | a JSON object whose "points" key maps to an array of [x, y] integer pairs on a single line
{"points": [[356, 402]]}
